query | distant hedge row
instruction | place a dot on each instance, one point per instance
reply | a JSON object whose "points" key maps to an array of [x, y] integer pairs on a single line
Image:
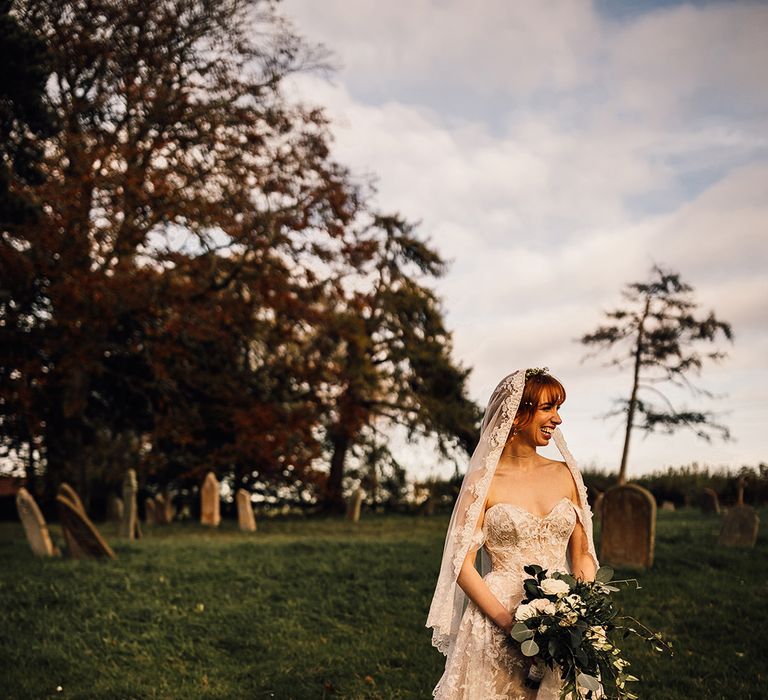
{"points": [[683, 485]]}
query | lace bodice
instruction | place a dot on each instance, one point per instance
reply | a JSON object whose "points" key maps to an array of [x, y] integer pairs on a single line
{"points": [[515, 537], [485, 664]]}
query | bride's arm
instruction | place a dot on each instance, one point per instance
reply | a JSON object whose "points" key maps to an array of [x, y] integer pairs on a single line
{"points": [[582, 564], [478, 592]]}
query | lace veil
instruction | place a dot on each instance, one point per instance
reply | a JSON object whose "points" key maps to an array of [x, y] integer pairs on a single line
{"points": [[463, 533]]}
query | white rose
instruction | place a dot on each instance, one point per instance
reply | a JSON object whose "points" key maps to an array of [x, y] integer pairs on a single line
{"points": [[524, 611], [554, 586], [543, 606]]}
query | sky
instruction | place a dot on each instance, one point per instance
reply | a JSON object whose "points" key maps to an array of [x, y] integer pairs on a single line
{"points": [[552, 152]]}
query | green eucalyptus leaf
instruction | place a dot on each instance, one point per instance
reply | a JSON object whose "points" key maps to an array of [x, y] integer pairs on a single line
{"points": [[520, 633], [529, 648], [588, 682], [604, 574]]}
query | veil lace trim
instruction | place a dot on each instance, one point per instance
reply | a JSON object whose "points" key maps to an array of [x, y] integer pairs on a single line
{"points": [[463, 533]]}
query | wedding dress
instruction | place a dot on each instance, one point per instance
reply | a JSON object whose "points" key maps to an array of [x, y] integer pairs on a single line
{"points": [[481, 662], [485, 663]]}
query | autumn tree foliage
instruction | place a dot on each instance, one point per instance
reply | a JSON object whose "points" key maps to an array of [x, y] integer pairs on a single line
{"points": [[197, 249], [659, 336], [25, 121]]}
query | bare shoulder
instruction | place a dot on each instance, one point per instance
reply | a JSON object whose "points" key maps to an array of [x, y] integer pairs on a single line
{"points": [[563, 473]]}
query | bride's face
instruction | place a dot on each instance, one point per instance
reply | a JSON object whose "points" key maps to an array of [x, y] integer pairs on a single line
{"points": [[546, 418]]}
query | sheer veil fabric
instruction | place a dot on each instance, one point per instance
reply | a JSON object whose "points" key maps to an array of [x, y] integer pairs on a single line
{"points": [[463, 533]]}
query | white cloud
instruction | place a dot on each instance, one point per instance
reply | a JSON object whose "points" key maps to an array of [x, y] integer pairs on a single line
{"points": [[526, 137]]}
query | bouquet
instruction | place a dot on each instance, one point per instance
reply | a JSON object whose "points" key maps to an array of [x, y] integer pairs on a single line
{"points": [[573, 624]]}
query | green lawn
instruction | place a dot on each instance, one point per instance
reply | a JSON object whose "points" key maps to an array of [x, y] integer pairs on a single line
{"points": [[322, 608]]}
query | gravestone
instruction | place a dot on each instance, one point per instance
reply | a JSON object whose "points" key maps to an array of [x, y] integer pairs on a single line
{"points": [[150, 516], [740, 524], [68, 492], [34, 524], [170, 509], [115, 509], [129, 527], [160, 511], [708, 502], [668, 505], [628, 527], [739, 528], [354, 504], [210, 501], [245, 518], [83, 539]]}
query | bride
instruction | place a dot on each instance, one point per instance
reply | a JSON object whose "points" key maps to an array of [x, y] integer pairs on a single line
{"points": [[515, 507]]}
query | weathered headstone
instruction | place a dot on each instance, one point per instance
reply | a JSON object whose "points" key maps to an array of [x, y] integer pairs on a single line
{"points": [[68, 492], [129, 527], [115, 509], [739, 528], [83, 539], [150, 516], [709, 502], [628, 527], [245, 518], [668, 505], [210, 501], [354, 504], [160, 512], [170, 509], [34, 524], [740, 491]]}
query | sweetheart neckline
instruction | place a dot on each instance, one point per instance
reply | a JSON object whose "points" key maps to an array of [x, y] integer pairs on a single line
{"points": [[525, 510]]}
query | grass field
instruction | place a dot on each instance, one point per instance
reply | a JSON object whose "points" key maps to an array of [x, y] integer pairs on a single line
{"points": [[322, 608]]}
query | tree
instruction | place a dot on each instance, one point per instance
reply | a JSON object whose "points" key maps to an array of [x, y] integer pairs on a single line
{"points": [[658, 335], [207, 292], [25, 119], [390, 354], [183, 191]]}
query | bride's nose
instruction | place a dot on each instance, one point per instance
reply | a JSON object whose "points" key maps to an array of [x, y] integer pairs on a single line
{"points": [[556, 418]]}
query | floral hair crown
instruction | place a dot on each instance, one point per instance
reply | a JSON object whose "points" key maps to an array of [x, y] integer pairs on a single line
{"points": [[535, 372]]}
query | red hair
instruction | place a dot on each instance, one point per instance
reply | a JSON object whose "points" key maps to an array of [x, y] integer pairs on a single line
{"points": [[537, 387]]}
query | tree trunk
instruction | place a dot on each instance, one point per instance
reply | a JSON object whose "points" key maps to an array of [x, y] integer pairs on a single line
{"points": [[334, 496], [633, 395]]}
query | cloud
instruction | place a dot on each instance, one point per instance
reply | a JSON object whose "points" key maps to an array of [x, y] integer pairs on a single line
{"points": [[553, 156]]}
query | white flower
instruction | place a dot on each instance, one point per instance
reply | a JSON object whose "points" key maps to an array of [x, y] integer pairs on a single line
{"points": [[574, 600], [543, 606], [554, 586], [570, 618], [524, 611]]}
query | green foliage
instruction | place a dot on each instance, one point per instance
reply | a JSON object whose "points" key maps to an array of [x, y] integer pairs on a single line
{"points": [[206, 288], [659, 337], [307, 608]]}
